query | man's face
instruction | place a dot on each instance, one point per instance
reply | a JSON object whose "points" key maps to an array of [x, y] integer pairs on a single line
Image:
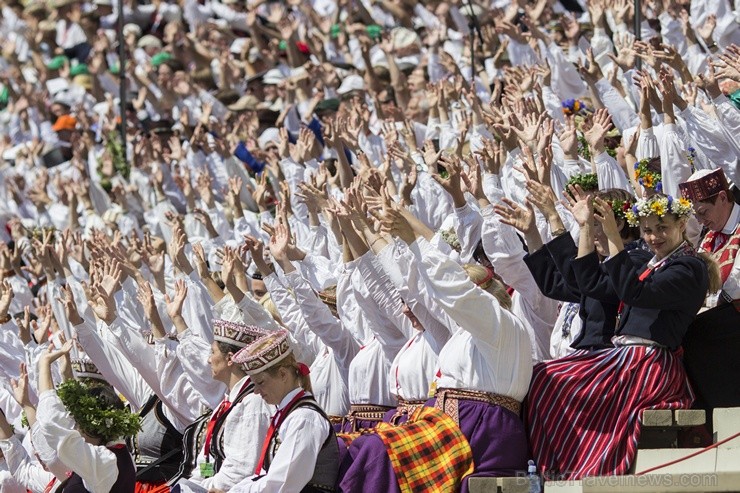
{"points": [[258, 288], [714, 216]]}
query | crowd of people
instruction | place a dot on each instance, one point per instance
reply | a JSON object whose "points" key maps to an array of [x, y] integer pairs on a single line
{"points": [[357, 245]]}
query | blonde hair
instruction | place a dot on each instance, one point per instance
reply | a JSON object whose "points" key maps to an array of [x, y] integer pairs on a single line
{"points": [[715, 278], [290, 364], [269, 305], [484, 279]]}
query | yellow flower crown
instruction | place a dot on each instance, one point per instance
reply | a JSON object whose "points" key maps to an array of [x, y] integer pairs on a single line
{"points": [[658, 205]]}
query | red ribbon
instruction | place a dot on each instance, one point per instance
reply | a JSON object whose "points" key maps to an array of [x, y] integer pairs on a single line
{"points": [[275, 423]]}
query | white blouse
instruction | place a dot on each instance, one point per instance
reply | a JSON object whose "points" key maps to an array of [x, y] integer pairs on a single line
{"points": [[241, 434], [301, 435], [96, 465], [491, 350]]}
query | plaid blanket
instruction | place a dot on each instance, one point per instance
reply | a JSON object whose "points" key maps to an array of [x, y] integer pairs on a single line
{"points": [[348, 438], [429, 452]]}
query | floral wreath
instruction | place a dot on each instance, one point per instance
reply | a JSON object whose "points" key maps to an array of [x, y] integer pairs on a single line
{"points": [[658, 205], [620, 208], [573, 106], [589, 182], [96, 420], [647, 178], [691, 158]]}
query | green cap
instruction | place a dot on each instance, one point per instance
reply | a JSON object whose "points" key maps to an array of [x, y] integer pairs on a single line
{"points": [[335, 30], [57, 62], [374, 31], [115, 69], [160, 58], [328, 105], [79, 69], [283, 45]]}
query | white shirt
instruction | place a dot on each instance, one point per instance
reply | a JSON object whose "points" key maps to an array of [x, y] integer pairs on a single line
{"points": [[26, 471], [241, 436], [96, 465], [491, 349], [301, 435]]}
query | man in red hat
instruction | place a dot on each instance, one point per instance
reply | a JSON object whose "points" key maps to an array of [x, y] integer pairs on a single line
{"points": [[717, 211], [712, 342]]}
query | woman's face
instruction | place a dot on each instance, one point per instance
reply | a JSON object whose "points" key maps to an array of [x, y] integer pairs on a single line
{"points": [[600, 240], [220, 363], [663, 235], [274, 386]]}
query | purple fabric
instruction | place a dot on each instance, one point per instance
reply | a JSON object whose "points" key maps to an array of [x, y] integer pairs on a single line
{"points": [[400, 420], [496, 436], [367, 468], [360, 424]]}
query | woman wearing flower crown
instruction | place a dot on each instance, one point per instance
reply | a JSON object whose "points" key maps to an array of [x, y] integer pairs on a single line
{"points": [[600, 395], [300, 451], [86, 425]]}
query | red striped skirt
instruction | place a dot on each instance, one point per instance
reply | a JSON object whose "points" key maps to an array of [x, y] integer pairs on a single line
{"points": [[582, 411]]}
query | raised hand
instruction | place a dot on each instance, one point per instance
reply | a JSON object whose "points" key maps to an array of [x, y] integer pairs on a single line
{"points": [[70, 306], [601, 123], [6, 297], [174, 304], [21, 388], [604, 214], [516, 216], [580, 205], [568, 138]]}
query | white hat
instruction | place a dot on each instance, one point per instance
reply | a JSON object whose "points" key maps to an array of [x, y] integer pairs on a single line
{"points": [[352, 82], [149, 41], [269, 136], [131, 29], [273, 77], [237, 46]]}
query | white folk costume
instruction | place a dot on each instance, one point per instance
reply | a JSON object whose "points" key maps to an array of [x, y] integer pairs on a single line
{"points": [[95, 469], [300, 451], [227, 443]]}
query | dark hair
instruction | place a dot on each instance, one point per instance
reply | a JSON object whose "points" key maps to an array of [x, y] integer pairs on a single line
{"points": [[106, 396], [227, 348], [610, 195]]}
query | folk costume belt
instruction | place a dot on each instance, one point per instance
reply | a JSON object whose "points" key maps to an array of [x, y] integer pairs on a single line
{"points": [[405, 408], [448, 400], [365, 412]]}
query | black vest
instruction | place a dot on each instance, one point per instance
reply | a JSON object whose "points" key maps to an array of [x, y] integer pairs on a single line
{"points": [[325, 473], [157, 448], [193, 439], [125, 483]]}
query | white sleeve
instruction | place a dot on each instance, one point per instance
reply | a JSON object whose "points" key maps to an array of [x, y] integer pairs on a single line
{"points": [[256, 313], [243, 432], [472, 308], [709, 138], [97, 466], [302, 435], [402, 268], [647, 144], [322, 322], [292, 317], [674, 164], [468, 230], [182, 401], [622, 114], [114, 366], [197, 310], [27, 472], [387, 299], [609, 174], [193, 353]]}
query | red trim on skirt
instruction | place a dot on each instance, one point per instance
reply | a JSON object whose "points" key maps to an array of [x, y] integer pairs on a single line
{"points": [[582, 411], [151, 488]]}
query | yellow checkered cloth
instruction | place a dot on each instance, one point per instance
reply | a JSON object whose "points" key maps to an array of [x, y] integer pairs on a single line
{"points": [[429, 452]]}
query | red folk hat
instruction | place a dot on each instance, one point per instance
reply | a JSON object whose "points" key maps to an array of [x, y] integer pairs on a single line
{"points": [[704, 184]]}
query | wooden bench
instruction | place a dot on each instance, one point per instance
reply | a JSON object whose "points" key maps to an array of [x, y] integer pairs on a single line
{"points": [[660, 427]]}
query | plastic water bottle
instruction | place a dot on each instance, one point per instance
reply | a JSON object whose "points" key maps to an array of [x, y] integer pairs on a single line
{"points": [[535, 483]]}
